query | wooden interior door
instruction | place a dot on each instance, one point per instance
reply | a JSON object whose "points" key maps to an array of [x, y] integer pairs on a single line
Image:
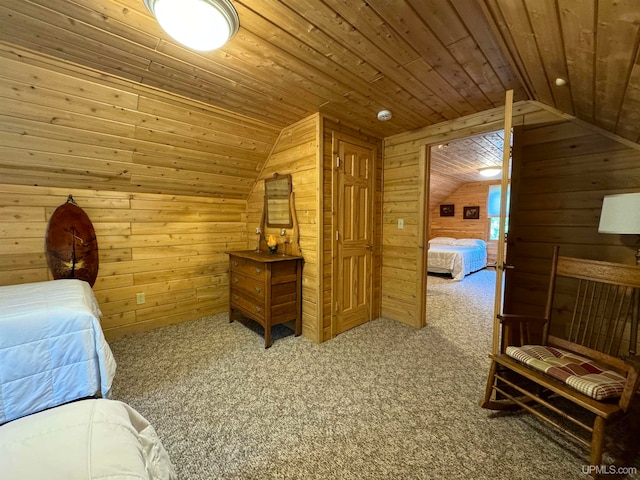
{"points": [[353, 238]]}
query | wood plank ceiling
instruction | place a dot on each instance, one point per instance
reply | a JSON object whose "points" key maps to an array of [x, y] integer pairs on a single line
{"points": [[462, 158], [426, 60]]}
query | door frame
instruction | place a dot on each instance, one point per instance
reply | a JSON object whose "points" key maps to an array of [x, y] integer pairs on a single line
{"points": [[424, 172]]}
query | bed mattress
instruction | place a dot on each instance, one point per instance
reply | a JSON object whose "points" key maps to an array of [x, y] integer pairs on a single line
{"points": [[52, 349], [458, 261], [84, 440]]}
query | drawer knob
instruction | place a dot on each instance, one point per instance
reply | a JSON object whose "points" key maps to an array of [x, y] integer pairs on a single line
{"points": [[235, 263], [257, 309], [258, 270], [257, 289], [235, 280], [235, 297]]}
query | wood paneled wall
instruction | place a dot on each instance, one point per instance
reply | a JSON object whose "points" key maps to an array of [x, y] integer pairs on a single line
{"points": [[61, 125], [171, 248], [405, 159], [164, 179], [564, 169], [441, 187], [468, 194], [297, 151]]}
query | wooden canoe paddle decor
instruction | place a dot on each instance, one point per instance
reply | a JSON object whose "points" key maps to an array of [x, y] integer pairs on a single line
{"points": [[72, 247]]}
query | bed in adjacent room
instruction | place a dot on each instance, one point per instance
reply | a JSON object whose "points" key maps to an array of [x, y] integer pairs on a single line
{"points": [[52, 349], [457, 257]]}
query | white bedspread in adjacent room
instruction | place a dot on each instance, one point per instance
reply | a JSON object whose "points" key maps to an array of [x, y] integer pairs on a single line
{"points": [[84, 440], [456, 260], [52, 349]]}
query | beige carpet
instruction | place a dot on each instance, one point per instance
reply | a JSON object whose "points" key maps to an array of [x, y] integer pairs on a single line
{"points": [[382, 401]]}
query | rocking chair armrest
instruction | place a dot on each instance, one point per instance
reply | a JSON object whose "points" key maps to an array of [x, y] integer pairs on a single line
{"points": [[633, 361], [633, 379], [511, 318]]}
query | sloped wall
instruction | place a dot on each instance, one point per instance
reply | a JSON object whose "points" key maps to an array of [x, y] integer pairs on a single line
{"points": [[61, 125]]}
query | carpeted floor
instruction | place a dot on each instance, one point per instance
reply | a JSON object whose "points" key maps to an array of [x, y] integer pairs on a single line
{"points": [[382, 401]]}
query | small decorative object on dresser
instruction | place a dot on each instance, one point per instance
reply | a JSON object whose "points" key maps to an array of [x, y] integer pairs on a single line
{"points": [[471, 213], [266, 288], [447, 210], [272, 244]]}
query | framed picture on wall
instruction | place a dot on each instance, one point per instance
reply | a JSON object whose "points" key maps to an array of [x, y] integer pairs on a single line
{"points": [[447, 210], [471, 213]]}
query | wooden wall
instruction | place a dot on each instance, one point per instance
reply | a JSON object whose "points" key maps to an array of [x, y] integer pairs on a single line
{"points": [[171, 248], [441, 187], [297, 151], [65, 126], [405, 188], [164, 179], [468, 194], [564, 169], [169, 183]]}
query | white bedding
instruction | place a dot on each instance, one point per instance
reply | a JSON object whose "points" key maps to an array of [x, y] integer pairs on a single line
{"points": [[459, 261], [84, 440], [52, 349]]}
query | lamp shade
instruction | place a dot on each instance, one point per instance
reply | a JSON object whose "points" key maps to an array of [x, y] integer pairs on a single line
{"points": [[620, 214], [201, 25]]}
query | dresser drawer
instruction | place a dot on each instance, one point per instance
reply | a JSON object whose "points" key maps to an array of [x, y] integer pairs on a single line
{"points": [[250, 286], [250, 306], [248, 267]]}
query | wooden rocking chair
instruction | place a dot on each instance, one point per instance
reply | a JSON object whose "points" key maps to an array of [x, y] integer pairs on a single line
{"points": [[590, 360]]}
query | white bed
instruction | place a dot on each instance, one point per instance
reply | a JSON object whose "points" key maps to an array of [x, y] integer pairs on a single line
{"points": [[457, 257], [84, 440], [52, 349]]}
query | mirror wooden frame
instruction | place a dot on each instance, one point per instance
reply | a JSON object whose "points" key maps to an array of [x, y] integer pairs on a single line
{"points": [[277, 191]]}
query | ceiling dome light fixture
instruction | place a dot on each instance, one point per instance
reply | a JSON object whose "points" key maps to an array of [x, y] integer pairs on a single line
{"points": [[201, 25], [384, 115], [490, 171]]}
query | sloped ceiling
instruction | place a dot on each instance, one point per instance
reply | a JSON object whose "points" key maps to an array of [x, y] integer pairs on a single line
{"points": [[591, 44], [425, 60]]}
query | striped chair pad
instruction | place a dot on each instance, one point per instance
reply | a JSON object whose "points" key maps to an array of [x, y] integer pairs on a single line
{"points": [[578, 372]]}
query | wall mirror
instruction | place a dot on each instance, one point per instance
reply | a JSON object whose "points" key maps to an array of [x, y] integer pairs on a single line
{"points": [[276, 201]]}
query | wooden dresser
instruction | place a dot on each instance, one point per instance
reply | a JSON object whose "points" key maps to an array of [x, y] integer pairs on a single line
{"points": [[266, 288]]}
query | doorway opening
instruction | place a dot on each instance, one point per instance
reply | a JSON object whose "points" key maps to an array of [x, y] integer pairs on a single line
{"points": [[461, 225]]}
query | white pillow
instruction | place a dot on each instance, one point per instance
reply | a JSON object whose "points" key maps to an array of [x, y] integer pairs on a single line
{"points": [[442, 241], [470, 242]]}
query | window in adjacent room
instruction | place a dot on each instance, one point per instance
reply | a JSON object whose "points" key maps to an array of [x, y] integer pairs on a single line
{"points": [[493, 209]]}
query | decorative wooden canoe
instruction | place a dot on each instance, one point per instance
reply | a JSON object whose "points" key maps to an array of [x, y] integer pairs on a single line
{"points": [[72, 247]]}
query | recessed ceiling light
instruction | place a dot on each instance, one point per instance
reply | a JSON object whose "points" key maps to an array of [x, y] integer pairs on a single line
{"points": [[201, 25]]}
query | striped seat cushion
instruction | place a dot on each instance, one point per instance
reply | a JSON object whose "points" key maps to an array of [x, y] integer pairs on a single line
{"points": [[578, 372]]}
